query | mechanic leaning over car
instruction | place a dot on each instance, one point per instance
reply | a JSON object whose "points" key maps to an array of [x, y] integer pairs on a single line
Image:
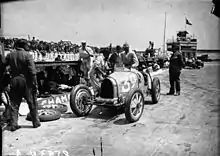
{"points": [[86, 56], [175, 67], [23, 83]]}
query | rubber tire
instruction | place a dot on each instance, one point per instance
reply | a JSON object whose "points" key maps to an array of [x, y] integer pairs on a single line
{"points": [[128, 115], [62, 109], [7, 97], [45, 118], [73, 106], [2, 107], [155, 82]]}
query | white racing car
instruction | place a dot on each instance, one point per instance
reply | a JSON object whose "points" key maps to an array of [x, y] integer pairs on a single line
{"points": [[124, 88]]}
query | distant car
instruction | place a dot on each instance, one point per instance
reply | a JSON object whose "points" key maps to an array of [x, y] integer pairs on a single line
{"points": [[161, 61], [197, 64], [124, 88], [204, 58]]}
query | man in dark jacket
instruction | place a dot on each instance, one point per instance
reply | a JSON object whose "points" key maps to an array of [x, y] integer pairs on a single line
{"points": [[23, 83], [115, 60], [176, 65]]}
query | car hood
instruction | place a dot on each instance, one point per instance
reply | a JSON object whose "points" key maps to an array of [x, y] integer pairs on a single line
{"points": [[126, 80]]}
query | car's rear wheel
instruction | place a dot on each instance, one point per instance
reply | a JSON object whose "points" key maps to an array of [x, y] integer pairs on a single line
{"points": [[155, 90], [134, 105], [79, 98]]}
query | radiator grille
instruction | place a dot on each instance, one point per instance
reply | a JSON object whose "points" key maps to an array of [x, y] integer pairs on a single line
{"points": [[107, 89]]}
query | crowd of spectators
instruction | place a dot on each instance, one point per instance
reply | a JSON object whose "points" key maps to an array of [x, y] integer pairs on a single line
{"points": [[46, 51], [39, 45]]}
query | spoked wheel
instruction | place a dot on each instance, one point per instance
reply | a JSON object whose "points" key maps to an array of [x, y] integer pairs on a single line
{"points": [[5, 100], [5, 108], [134, 105], [5, 103], [62, 108], [46, 115], [155, 90], [79, 98]]}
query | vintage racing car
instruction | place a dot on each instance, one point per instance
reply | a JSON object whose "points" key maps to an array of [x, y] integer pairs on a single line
{"points": [[123, 88]]}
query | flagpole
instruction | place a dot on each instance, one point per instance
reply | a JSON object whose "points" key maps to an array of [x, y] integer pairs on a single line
{"points": [[164, 36], [185, 20]]}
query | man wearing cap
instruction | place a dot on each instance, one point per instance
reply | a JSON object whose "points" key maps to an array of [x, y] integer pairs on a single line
{"points": [[23, 83], [115, 58], [86, 56], [128, 57], [176, 64]]}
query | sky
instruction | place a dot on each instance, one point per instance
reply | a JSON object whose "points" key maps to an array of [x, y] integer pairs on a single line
{"points": [[101, 22]]}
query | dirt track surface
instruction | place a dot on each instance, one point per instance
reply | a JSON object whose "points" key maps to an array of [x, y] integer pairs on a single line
{"points": [[176, 126]]}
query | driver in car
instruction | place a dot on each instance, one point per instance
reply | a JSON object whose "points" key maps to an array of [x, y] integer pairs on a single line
{"points": [[129, 58], [115, 59], [130, 61]]}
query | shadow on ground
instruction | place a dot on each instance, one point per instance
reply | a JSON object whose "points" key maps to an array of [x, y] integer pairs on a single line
{"points": [[7, 127], [98, 112], [26, 126], [68, 115], [121, 122], [148, 102], [106, 114]]}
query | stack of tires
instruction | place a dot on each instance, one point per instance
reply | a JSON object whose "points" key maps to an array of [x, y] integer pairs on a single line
{"points": [[49, 112]]}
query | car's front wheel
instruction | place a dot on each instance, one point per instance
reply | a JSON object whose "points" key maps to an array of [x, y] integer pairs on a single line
{"points": [[134, 105], [79, 98]]}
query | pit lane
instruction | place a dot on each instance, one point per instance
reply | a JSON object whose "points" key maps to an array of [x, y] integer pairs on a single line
{"points": [[177, 125]]}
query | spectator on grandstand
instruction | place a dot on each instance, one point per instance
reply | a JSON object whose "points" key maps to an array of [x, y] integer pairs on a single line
{"points": [[58, 58], [40, 46]]}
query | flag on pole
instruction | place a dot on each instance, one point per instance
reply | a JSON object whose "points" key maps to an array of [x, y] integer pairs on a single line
{"points": [[188, 22]]}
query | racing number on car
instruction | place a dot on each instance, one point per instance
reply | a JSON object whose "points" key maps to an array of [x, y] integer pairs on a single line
{"points": [[126, 86], [129, 83]]}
